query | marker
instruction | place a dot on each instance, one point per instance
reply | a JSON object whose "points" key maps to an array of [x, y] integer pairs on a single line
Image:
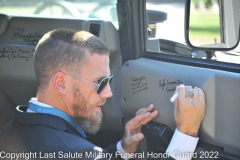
{"points": [[174, 97]]}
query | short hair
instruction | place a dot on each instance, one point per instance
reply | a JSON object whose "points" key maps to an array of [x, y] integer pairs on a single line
{"points": [[64, 49]]}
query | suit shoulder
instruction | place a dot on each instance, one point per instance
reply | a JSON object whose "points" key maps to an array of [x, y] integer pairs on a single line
{"points": [[72, 141]]}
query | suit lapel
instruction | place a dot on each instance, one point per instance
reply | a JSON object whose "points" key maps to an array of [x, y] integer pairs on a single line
{"points": [[44, 119]]}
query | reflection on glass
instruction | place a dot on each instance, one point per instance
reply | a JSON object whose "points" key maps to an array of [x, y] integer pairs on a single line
{"points": [[204, 25], [80, 9]]}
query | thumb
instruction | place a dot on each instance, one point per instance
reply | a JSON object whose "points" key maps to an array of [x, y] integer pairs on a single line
{"points": [[131, 142], [131, 139]]}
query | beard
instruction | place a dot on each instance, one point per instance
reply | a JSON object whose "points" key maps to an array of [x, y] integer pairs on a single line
{"points": [[85, 115]]}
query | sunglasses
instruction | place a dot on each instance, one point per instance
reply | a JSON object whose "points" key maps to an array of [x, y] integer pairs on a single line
{"points": [[101, 84]]}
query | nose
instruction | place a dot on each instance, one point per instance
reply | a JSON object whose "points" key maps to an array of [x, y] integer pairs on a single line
{"points": [[106, 92]]}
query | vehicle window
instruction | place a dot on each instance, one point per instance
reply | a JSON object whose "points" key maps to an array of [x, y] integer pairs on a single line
{"points": [[80, 9], [173, 27], [171, 30]]}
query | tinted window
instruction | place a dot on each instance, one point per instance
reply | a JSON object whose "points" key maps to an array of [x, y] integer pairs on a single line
{"points": [[81, 9]]}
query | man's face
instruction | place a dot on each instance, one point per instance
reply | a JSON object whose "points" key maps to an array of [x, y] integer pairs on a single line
{"points": [[87, 103]]}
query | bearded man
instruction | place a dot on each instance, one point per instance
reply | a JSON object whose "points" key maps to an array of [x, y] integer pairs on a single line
{"points": [[73, 75]]}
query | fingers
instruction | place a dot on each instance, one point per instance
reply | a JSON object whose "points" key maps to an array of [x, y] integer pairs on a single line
{"points": [[135, 138], [140, 111], [188, 88], [145, 110], [196, 94], [143, 118], [181, 91], [144, 115], [130, 142], [133, 133], [201, 95], [189, 109]]}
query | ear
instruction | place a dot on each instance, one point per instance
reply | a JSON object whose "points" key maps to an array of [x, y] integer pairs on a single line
{"points": [[59, 82]]}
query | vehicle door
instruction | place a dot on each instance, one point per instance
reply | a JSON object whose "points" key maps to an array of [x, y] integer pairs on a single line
{"points": [[157, 58]]}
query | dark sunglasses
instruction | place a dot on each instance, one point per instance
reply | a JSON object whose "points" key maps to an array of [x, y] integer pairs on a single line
{"points": [[101, 84]]}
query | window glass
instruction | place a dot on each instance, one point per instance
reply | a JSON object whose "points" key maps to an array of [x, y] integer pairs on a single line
{"points": [[170, 32], [80, 9], [173, 27]]}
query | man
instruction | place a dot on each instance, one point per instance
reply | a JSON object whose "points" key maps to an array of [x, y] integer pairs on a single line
{"points": [[72, 69]]}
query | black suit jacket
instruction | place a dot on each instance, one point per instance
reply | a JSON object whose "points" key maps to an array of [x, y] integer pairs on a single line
{"points": [[47, 136], [44, 136]]}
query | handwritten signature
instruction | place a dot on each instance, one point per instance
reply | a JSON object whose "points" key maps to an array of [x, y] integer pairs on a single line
{"points": [[11, 52], [138, 79], [169, 84], [30, 38], [138, 84]]}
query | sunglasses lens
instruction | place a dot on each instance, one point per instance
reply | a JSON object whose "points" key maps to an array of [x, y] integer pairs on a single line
{"points": [[103, 84]]}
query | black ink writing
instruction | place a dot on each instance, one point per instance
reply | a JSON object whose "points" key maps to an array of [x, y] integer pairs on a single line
{"points": [[177, 82], [139, 84], [170, 89], [138, 79], [136, 84], [15, 52], [162, 84], [31, 38], [169, 85]]}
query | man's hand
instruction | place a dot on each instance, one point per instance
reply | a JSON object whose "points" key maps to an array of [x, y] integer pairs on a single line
{"points": [[189, 111], [133, 133]]}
